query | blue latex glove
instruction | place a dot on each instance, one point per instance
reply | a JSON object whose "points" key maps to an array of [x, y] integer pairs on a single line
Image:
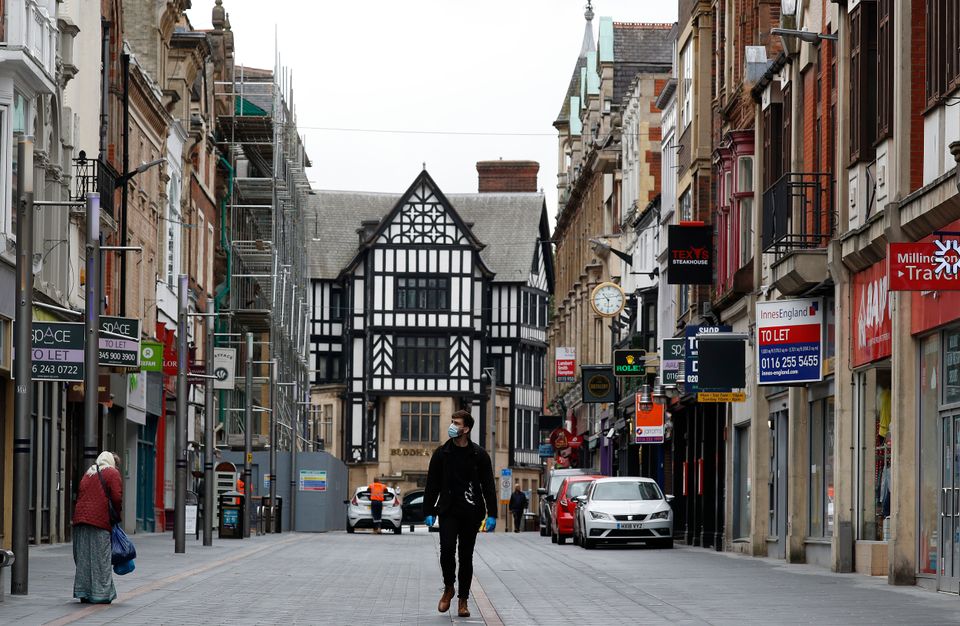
{"points": [[428, 520], [491, 524]]}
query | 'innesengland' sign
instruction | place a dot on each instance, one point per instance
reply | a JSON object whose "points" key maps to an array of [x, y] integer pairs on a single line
{"points": [[789, 341]]}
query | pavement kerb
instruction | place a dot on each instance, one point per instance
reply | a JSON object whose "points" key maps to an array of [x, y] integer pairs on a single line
{"points": [[159, 584]]}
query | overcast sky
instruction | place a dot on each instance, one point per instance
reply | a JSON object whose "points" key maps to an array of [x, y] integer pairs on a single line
{"points": [[496, 68]]}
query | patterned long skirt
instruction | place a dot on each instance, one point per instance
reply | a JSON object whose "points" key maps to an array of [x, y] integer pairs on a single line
{"points": [[91, 554]]}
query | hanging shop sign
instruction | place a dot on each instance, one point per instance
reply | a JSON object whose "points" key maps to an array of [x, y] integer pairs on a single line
{"points": [[924, 265], [789, 341], [225, 368], [691, 354], [122, 350], [689, 254], [649, 423], [566, 447], [545, 451], [629, 362], [599, 384], [171, 367], [57, 351], [151, 356], [872, 335], [671, 360], [722, 361], [566, 364]]}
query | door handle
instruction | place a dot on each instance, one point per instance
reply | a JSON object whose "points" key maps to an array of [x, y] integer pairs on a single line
{"points": [[944, 502]]}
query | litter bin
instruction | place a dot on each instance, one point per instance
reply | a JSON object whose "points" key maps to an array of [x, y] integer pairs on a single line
{"points": [[231, 515], [6, 560]]}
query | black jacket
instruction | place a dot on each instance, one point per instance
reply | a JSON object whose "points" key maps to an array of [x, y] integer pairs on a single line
{"points": [[518, 501], [436, 496]]}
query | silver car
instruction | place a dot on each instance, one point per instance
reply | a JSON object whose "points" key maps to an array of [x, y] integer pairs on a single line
{"points": [[360, 516], [623, 509]]}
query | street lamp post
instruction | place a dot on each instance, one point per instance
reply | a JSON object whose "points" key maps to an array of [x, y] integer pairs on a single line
{"points": [[247, 438], [208, 439], [180, 445], [24, 396]]}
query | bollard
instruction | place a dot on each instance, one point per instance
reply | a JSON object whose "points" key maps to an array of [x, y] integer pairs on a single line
{"points": [[6, 560]]}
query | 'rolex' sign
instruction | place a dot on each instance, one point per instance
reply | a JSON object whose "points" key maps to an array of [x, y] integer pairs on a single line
{"points": [[628, 362]]}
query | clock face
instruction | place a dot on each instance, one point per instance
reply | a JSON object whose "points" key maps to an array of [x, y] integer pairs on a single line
{"points": [[608, 299]]}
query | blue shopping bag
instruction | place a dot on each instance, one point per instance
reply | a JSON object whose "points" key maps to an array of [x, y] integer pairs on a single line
{"points": [[123, 568], [121, 547]]}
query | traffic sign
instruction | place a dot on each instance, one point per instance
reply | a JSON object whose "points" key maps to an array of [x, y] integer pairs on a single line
{"points": [[506, 485], [924, 265], [648, 427], [57, 351], [116, 351], [566, 364], [628, 362]]}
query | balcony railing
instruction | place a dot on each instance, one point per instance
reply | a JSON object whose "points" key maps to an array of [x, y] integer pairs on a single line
{"points": [[95, 176], [798, 213], [30, 27]]}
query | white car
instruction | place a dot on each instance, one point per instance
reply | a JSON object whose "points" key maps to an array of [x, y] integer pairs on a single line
{"points": [[360, 516], [623, 509]]}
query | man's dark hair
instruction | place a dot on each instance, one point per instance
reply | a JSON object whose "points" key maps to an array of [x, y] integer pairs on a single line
{"points": [[466, 417]]}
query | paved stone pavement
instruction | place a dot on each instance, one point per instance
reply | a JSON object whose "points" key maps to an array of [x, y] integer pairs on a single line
{"points": [[336, 578]]}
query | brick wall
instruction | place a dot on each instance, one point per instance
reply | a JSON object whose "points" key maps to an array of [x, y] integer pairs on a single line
{"points": [[507, 176], [918, 101]]}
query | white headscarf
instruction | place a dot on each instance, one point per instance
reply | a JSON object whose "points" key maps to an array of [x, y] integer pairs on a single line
{"points": [[104, 461]]}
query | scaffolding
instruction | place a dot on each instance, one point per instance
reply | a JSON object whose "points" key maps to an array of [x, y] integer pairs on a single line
{"points": [[266, 284]]}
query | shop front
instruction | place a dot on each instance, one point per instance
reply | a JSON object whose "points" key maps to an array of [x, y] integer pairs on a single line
{"points": [[935, 324], [871, 344]]}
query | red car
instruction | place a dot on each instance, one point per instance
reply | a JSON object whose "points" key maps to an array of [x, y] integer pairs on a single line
{"points": [[561, 512]]}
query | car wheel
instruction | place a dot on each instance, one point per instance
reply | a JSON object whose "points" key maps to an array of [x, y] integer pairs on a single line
{"points": [[398, 530], [349, 528], [561, 539], [588, 543]]}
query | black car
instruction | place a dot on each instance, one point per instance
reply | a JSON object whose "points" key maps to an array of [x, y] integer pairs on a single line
{"points": [[413, 508]]}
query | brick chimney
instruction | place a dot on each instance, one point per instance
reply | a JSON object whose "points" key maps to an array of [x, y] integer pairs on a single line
{"points": [[507, 176]]}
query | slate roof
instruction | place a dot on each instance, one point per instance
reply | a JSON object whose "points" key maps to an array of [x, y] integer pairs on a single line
{"points": [[639, 48], [572, 90], [508, 224]]}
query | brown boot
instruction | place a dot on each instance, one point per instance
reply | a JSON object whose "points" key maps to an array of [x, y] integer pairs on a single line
{"points": [[463, 610], [445, 599]]}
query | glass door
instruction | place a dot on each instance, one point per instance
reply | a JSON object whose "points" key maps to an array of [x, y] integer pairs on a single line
{"points": [[948, 575]]}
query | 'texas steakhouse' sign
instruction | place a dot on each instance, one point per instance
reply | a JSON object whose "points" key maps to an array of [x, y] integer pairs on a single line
{"points": [[924, 265], [689, 260]]}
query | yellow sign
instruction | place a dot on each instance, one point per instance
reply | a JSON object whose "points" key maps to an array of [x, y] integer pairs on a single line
{"points": [[722, 396], [249, 457]]}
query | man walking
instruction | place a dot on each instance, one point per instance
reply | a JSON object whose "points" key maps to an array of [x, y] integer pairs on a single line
{"points": [[376, 490], [518, 503], [460, 489]]}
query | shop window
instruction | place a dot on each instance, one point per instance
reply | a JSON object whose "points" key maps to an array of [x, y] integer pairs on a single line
{"points": [[929, 470], [741, 484], [951, 367], [421, 356], [821, 468], [876, 443]]}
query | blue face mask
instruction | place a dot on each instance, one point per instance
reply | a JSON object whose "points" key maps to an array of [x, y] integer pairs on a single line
{"points": [[453, 431]]}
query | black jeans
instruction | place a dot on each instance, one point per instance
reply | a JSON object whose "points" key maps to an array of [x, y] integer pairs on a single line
{"points": [[517, 519], [458, 533], [376, 509]]}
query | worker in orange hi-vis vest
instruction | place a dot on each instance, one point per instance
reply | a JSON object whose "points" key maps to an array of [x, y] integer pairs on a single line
{"points": [[241, 487], [377, 491]]}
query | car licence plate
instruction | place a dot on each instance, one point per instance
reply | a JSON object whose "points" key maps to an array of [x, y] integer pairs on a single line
{"points": [[629, 525]]}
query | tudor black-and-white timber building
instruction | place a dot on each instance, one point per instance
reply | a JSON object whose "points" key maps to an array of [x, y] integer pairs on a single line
{"points": [[413, 295]]}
